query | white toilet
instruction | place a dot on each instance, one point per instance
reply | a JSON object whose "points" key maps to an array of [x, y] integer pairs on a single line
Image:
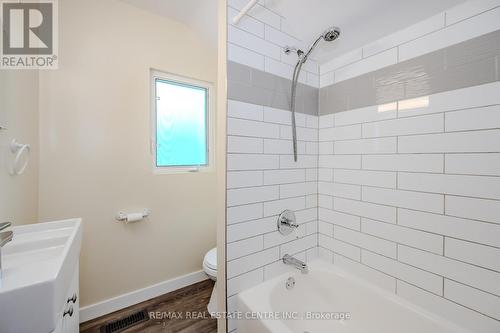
{"points": [[210, 268], [210, 264]]}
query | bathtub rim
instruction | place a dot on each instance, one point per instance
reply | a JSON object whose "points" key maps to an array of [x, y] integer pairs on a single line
{"points": [[248, 299]]}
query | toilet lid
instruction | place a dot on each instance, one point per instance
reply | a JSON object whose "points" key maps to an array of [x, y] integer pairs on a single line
{"points": [[211, 259]]}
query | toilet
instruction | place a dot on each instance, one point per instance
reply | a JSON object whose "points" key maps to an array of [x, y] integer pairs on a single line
{"points": [[210, 264], [210, 268]]}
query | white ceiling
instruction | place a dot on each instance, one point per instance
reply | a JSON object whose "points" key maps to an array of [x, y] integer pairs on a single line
{"points": [[361, 21], [200, 15]]}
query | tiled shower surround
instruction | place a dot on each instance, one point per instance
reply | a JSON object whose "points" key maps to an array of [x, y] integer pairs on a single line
{"points": [[263, 180], [398, 178], [408, 199]]}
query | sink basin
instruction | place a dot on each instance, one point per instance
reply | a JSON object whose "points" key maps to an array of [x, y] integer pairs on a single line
{"points": [[38, 265]]}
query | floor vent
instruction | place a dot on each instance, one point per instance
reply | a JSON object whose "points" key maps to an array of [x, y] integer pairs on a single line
{"points": [[124, 323]]}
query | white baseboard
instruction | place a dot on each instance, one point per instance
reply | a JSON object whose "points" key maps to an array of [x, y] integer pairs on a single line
{"points": [[92, 311]]}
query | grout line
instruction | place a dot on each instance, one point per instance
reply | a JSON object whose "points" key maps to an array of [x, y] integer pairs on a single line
{"points": [[265, 265], [274, 245], [444, 163], [444, 204], [413, 209], [417, 114], [305, 70], [398, 279], [413, 229], [420, 191], [260, 5], [268, 201], [420, 268], [411, 40], [469, 17]]}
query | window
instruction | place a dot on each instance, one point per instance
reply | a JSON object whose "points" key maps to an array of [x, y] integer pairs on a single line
{"points": [[181, 127]]}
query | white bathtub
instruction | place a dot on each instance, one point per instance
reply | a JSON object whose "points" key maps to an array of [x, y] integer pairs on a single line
{"points": [[329, 291]]}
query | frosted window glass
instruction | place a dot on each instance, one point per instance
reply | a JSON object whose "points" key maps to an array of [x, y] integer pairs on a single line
{"points": [[181, 124]]}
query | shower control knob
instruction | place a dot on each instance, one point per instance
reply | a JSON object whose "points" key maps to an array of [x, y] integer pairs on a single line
{"points": [[287, 222]]}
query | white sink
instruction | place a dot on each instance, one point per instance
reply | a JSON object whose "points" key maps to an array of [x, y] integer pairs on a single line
{"points": [[38, 267]]}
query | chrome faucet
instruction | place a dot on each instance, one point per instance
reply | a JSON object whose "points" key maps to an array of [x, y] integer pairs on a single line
{"points": [[5, 225], [300, 265], [5, 237]]}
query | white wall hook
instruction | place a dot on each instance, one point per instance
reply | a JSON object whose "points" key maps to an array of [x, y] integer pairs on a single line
{"points": [[19, 149]]}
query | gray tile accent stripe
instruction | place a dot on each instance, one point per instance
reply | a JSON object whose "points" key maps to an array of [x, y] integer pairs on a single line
{"points": [[250, 85], [462, 65]]}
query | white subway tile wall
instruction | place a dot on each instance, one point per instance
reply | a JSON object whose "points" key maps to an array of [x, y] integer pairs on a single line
{"points": [[457, 24], [406, 197], [258, 41], [262, 181], [415, 201]]}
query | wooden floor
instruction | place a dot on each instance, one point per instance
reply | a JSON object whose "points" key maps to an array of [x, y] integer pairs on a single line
{"points": [[184, 311]]}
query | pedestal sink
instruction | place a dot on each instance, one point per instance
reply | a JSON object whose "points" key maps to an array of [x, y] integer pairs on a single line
{"points": [[39, 283]]}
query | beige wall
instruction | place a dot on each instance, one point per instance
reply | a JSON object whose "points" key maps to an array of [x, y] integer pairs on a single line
{"points": [[19, 113], [95, 154]]}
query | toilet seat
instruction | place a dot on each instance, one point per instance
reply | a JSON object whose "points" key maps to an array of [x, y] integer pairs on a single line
{"points": [[211, 272], [210, 263], [210, 268], [210, 259]]}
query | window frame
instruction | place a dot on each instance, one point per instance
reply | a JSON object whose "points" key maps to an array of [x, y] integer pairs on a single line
{"points": [[156, 75]]}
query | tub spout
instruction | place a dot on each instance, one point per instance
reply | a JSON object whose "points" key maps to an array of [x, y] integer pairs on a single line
{"points": [[300, 265]]}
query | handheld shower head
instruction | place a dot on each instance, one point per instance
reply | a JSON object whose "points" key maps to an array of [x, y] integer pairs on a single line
{"points": [[331, 34]]}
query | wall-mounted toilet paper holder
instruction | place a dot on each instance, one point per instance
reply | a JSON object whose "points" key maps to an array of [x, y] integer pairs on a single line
{"points": [[132, 217]]}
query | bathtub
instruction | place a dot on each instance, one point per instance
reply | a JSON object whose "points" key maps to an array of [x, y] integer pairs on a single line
{"points": [[329, 299]]}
